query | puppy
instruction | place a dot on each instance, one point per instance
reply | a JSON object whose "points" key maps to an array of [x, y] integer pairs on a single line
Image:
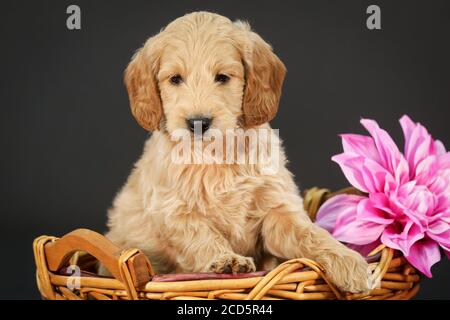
{"points": [[203, 68]]}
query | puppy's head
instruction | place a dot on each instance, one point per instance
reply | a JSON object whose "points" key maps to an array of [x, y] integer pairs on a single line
{"points": [[203, 69]]}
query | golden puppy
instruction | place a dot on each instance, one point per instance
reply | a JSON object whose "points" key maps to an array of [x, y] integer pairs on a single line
{"points": [[204, 68]]}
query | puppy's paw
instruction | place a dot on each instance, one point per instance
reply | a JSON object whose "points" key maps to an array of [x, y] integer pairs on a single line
{"points": [[231, 263], [348, 271]]}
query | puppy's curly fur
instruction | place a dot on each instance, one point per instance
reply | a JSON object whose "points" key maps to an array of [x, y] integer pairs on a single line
{"points": [[222, 218]]}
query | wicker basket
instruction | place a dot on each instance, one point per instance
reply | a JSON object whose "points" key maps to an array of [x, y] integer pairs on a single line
{"points": [[133, 278]]}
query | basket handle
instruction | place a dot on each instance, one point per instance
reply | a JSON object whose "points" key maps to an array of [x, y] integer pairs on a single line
{"points": [[115, 259]]}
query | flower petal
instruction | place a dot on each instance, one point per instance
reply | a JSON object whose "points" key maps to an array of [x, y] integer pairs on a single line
{"points": [[441, 234], [339, 216], [444, 160], [360, 145], [381, 201], [426, 169], [366, 211], [358, 232], [374, 175], [407, 126], [402, 238], [423, 255], [351, 167], [390, 155], [343, 204], [418, 144], [439, 147]]}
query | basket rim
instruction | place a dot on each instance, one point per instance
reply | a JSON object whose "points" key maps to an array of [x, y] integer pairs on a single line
{"points": [[257, 286], [133, 274]]}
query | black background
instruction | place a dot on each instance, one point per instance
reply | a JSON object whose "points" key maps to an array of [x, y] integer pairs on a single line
{"points": [[68, 140]]}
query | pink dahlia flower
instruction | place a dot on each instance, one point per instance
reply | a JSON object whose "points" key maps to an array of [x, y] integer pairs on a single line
{"points": [[408, 203]]}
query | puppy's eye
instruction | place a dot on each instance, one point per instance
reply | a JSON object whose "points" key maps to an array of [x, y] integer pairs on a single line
{"points": [[176, 79], [222, 78]]}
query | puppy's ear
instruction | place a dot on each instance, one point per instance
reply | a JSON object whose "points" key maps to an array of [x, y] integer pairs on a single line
{"points": [[142, 86], [264, 74]]}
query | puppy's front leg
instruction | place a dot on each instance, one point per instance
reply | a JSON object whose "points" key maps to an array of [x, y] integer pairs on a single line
{"points": [[290, 234], [202, 248]]}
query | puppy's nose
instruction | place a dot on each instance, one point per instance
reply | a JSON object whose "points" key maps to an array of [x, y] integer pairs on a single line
{"points": [[197, 123]]}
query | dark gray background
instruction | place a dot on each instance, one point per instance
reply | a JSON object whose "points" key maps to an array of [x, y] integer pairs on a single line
{"points": [[68, 140]]}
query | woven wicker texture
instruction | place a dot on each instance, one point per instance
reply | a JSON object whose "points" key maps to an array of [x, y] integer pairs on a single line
{"points": [[296, 279]]}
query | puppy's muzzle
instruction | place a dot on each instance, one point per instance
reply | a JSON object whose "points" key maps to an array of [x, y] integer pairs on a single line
{"points": [[199, 125]]}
